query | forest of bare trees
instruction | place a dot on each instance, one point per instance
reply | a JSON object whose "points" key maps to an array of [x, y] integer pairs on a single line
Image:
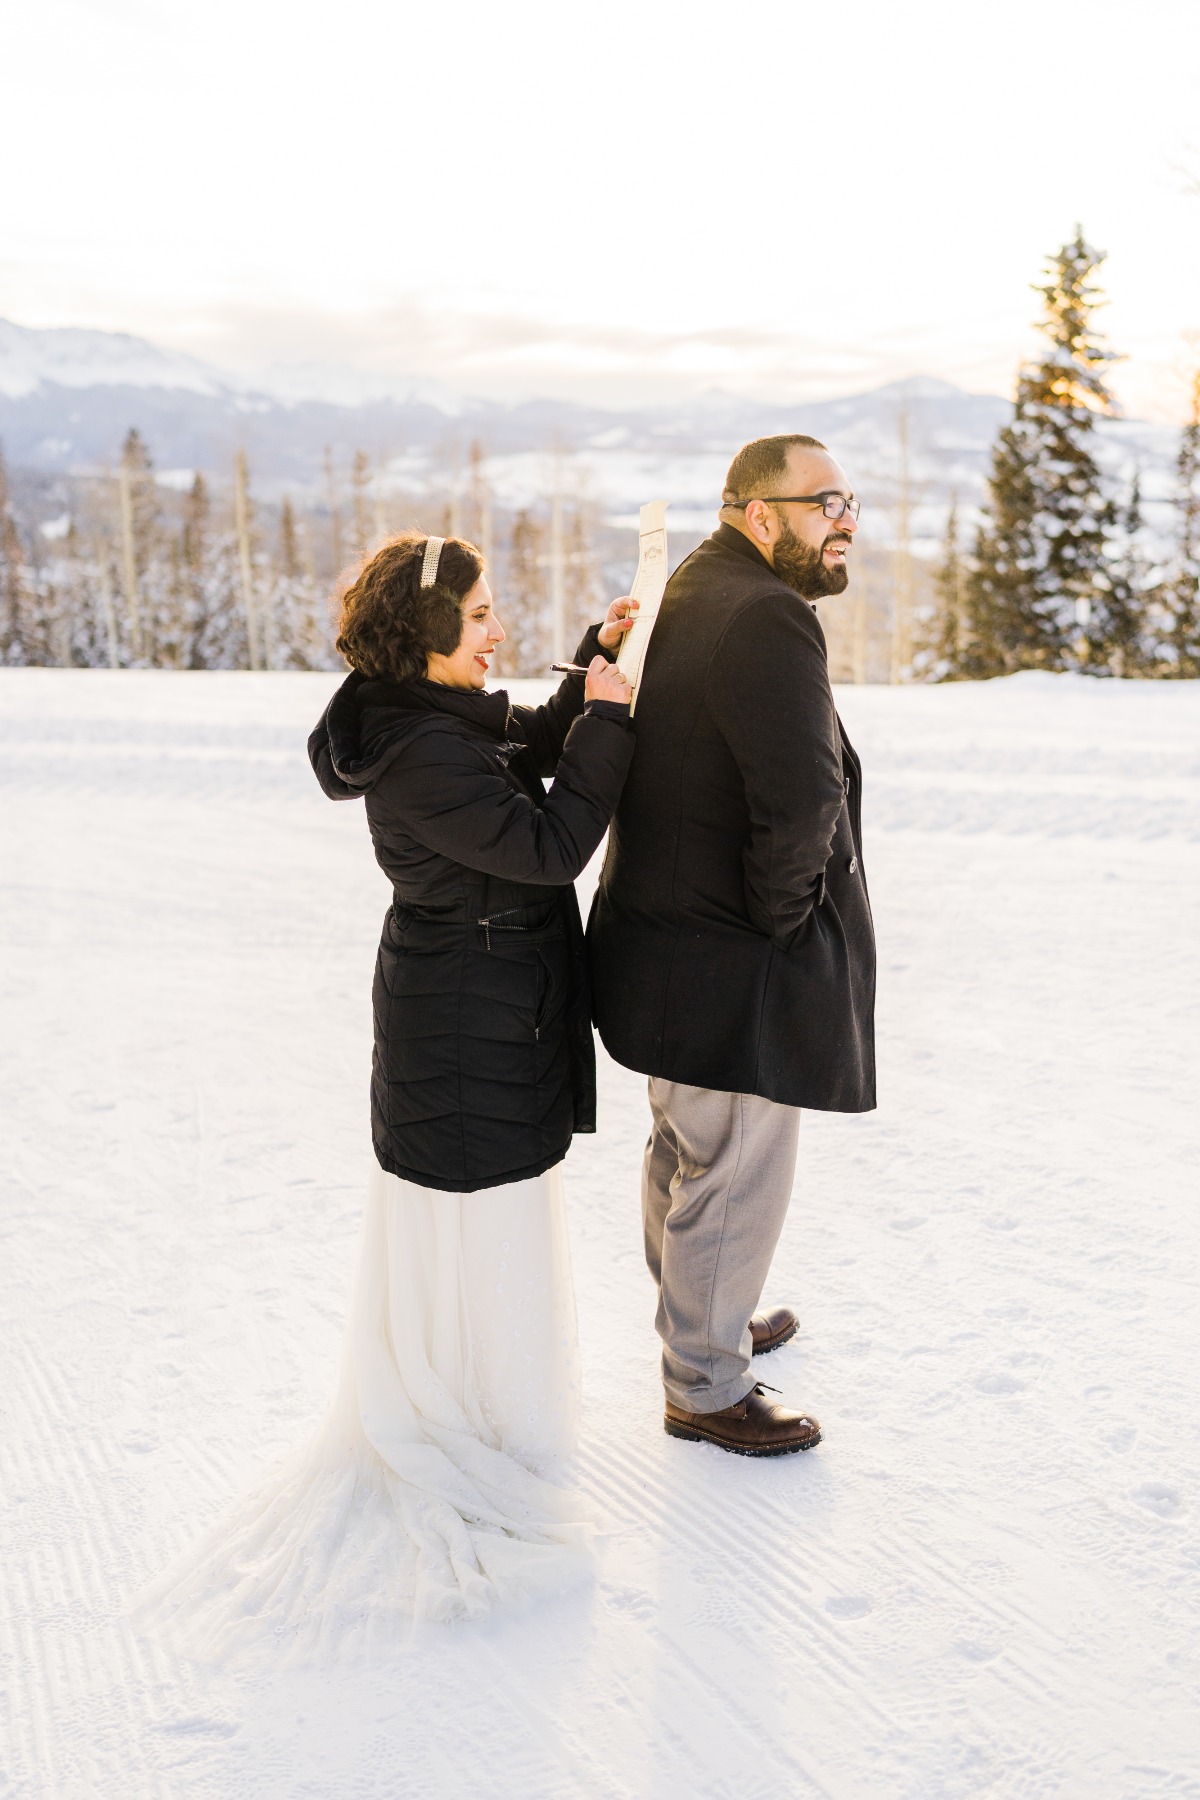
{"points": [[1056, 571], [142, 574]]}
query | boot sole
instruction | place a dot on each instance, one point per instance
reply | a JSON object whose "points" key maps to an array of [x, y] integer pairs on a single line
{"points": [[776, 1343], [693, 1436]]}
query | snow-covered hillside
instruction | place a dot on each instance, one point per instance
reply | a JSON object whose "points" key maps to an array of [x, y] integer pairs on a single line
{"points": [[67, 399], [38, 359], [985, 1581]]}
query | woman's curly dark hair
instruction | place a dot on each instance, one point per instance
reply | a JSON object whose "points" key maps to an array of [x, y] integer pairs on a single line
{"points": [[389, 624]]}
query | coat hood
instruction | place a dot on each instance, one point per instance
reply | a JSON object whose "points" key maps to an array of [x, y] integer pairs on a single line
{"points": [[367, 723]]}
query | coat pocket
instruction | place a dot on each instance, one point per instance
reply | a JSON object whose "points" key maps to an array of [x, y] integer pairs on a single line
{"points": [[553, 959]]}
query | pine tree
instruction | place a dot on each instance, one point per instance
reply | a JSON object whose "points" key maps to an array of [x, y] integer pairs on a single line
{"points": [[1117, 637], [1002, 624], [1040, 567], [938, 649], [303, 636], [220, 640], [78, 605], [1183, 591]]}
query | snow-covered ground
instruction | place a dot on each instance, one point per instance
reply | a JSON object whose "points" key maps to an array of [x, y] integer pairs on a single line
{"points": [[985, 1581]]}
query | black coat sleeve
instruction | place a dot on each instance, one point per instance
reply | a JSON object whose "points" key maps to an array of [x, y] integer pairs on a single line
{"points": [[545, 728], [454, 799], [768, 691], [321, 758]]}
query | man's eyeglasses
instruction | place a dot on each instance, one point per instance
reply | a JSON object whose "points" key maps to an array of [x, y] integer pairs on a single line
{"points": [[831, 503]]}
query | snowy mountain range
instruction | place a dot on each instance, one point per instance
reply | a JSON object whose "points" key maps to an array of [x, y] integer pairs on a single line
{"points": [[68, 396]]}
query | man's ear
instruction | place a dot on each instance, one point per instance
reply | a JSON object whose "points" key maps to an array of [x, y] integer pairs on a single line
{"points": [[757, 515]]}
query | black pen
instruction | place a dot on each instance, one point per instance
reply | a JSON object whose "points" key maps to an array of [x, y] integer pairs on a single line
{"points": [[567, 669]]}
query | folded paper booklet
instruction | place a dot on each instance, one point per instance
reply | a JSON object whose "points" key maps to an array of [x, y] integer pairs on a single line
{"points": [[647, 590]]}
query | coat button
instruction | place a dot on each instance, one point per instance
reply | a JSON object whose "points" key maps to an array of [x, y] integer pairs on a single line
{"points": [[852, 865]]}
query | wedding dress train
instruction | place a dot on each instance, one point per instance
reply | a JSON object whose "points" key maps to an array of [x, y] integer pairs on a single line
{"points": [[424, 1492]]}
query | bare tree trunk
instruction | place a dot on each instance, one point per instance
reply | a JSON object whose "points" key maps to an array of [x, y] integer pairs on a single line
{"points": [[241, 519], [266, 605], [380, 520], [335, 516], [481, 502], [859, 641], [360, 481], [558, 571], [486, 528], [110, 614], [128, 562], [902, 562]]}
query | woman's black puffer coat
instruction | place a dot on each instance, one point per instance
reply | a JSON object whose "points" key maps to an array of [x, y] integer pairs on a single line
{"points": [[484, 1063]]}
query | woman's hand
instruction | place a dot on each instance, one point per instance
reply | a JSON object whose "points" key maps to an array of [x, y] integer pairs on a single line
{"points": [[617, 621], [606, 682]]}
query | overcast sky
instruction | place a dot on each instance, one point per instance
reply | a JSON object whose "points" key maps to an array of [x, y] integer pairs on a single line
{"points": [[619, 200]]}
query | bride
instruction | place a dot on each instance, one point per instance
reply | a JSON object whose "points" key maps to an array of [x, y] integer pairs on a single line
{"points": [[424, 1492]]}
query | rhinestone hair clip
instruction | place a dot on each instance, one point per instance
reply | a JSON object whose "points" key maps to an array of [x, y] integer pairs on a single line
{"points": [[433, 555]]}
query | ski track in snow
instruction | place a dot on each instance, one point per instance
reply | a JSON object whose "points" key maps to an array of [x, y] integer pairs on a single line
{"points": [[985, 1581]]}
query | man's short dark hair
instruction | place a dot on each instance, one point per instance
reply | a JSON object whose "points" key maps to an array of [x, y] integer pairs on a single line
{"points": [[757, 467]]}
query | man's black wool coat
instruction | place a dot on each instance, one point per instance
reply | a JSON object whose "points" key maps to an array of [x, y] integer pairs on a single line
{"points": [[731, 936], [484, 1063]]}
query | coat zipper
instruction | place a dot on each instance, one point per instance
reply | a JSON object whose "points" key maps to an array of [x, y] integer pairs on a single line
{"points": [[488, 923]]}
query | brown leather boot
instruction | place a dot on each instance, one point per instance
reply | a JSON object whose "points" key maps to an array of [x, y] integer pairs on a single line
{"points": [[756, 1426], [770, 1329]]}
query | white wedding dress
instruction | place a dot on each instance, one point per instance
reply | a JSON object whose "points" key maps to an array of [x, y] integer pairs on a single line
{"points": [[424, 1493]]}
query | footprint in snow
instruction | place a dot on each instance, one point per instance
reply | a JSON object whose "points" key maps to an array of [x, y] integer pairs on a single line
{"points": [[1123, 1438], [1000, 1383], [1165, 1502], [847, 1606], [977, 1650], [636, 1601]]}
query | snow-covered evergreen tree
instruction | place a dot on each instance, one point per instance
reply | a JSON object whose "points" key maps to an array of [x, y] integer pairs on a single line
{"points": [[41, 641], [14, 581], [1182, 635], [1040, 567], [81, 620], [1118, 637], [219, 639], [936, 651], [303, 629]]}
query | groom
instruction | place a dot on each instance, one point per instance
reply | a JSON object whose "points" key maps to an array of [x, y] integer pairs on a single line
{"points": [[732, 945]]}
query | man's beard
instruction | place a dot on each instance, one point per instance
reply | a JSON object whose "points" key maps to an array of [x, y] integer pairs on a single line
{"points": [[805, 569]]}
